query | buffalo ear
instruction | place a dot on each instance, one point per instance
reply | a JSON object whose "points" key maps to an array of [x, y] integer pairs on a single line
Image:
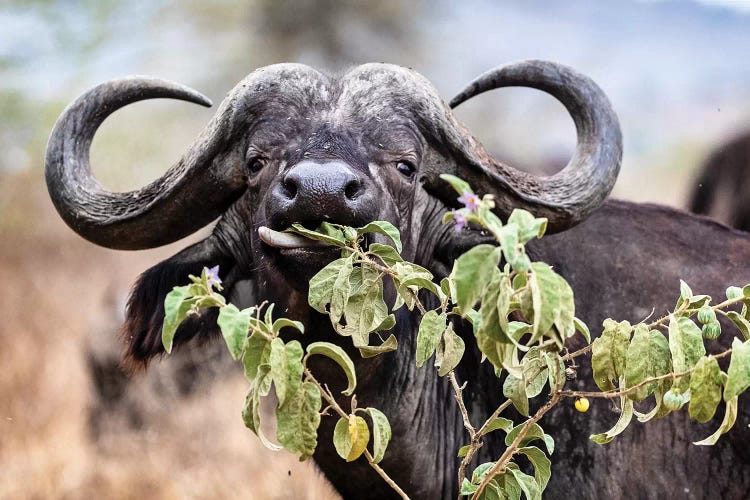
{"points": [[145, 310]]}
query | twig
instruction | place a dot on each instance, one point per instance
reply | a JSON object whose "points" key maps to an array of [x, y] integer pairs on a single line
{"points": [[326, 393], [513, 448]]}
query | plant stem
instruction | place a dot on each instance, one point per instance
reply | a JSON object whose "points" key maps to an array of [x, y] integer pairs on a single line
{"points": [[513, 448], [326, 393]]}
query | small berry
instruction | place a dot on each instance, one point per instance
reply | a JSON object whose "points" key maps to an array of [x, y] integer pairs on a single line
{"points": [[706, 315], [582, 405]]}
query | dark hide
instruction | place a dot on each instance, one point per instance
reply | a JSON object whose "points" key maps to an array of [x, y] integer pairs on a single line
{"points": [[723, 184]]}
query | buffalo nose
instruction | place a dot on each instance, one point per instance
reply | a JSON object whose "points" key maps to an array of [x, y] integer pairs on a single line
{"points": [[311, 180], [313, 191]]}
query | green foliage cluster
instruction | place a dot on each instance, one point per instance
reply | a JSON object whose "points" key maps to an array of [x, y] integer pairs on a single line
{"points": [[521, 312]]}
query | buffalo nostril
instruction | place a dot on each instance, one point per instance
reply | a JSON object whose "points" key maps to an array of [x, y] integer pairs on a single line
{"points": [[290, 187], [352, 189]]}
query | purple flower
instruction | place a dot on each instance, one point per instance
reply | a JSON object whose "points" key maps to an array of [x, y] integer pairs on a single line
{"points": [[469, 200], [459, 219], [213, 276]]}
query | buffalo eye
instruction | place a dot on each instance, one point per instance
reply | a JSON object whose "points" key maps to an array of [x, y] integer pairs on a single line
{"points": [[255, 165], [406, 168]]}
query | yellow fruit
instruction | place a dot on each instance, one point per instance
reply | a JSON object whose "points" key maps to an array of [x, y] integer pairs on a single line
{"points": [[582, 405]]}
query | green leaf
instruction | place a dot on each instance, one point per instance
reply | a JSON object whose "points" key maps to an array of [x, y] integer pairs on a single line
{"points": [[534, 433], [251, 417], [471, 272], [386, 253], [381, 433], [350, 437], [365, 310], [460, 185], [430, 331], [390, 344], [294, 368], [555, 370], [685, 291], [581, 327], [297, 420], [743, 325], [234, 325], [513, 248], [467, 488], [705, 389], [515, 390], [734, 292], [322, 285], [609, 353], [338, 355], [686, 345], [462, 451], [535, 372], [542, 466], [386, 229], [453, 351], [326, 233], [529, 227], [177, 305], [552, 299], [730, 416], [494, 308], [647, 356], [499, 423], [286, 322], [528, 484], [626, 415], [279, 368], [739, 370], [257, 351]]}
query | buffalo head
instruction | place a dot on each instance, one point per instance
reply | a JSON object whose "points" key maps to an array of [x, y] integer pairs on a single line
{"points": [[291, 145]]}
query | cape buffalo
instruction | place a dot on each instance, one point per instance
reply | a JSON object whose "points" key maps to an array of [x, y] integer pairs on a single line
{"points": [[289, 144], [723, 184]]}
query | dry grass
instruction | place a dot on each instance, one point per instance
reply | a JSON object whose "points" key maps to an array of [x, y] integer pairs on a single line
{"points": [[53, 285]]}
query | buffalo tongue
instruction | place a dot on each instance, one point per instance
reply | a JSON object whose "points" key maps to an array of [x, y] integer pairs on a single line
{"points": [[285, 240]]}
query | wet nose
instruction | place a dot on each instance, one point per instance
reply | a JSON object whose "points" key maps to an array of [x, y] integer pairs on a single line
{"points": [[313, 191]]}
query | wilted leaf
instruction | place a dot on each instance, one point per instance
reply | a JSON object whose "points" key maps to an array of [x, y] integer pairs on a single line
{"points": [[622, 423], [453, 351], [257, 352], [279, 368], [390, 344], [323, 283], [738, 374], [430, 331], [534, 367], [686, 346], [609, 353], [647, 356], [298, 419], [705, 389], [730, 416], [742, 324], [350, 437], [338, 355], [515, 390], [381, 433]]}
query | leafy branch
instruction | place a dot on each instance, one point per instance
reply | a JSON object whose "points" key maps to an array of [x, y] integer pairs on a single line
{"points": [[522, 313]]}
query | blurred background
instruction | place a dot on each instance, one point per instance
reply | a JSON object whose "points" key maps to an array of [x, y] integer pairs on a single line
{"points": [[71, 424]]}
